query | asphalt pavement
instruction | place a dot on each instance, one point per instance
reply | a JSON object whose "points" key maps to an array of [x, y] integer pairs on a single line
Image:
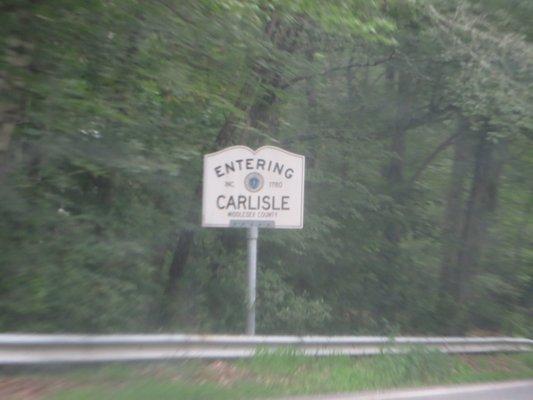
{"points": [[514, 390]]}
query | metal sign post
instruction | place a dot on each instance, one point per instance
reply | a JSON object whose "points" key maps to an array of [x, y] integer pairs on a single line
{"points": [[251, 189], [253, 233]]}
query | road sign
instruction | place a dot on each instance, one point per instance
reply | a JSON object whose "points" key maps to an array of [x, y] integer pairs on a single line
{"points": [[253, 189], [245, 188]]}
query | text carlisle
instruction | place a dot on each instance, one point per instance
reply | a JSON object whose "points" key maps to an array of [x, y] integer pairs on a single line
{"points": [[253, 202]]}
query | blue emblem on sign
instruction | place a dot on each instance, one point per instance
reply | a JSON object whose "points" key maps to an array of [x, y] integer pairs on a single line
{"points": [[253, 182]]}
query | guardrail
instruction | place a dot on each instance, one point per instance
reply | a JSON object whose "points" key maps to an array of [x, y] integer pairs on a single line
{"points": [[39, 349]]}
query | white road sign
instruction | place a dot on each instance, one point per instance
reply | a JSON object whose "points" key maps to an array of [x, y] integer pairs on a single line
{"points": [[244, 188]]}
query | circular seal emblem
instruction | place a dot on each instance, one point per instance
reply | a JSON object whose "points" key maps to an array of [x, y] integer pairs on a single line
{"points": [[253, 182]]}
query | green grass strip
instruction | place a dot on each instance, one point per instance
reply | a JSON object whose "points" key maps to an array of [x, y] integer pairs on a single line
{"points": [[271, 375]]}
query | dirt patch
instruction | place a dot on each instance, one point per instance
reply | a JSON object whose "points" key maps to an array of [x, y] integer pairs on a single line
{"points": [[223, 373], [23, 388], [489, 363]]}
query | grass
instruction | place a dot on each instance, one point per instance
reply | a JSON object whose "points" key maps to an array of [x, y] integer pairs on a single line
{"points": [[269, 375]]}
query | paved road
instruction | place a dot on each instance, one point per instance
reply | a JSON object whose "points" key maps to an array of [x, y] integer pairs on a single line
{"points": [[515, 390]]}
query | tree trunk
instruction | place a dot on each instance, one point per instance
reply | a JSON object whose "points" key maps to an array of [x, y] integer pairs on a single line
{"points": [[394, 170], [480, 208], [185, 238], [469, 236], [18, 58], [179, 259], [394, 187], [451, 231]]}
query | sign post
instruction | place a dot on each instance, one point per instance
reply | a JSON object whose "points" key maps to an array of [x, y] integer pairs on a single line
{"points": [[243, 188], [253, 233]]}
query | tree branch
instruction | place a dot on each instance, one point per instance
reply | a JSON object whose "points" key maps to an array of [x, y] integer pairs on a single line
{"points": [[333, 69], [432, 156]]}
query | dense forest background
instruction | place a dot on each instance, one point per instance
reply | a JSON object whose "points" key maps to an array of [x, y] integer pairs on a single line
{"points": [[416, 118]]}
